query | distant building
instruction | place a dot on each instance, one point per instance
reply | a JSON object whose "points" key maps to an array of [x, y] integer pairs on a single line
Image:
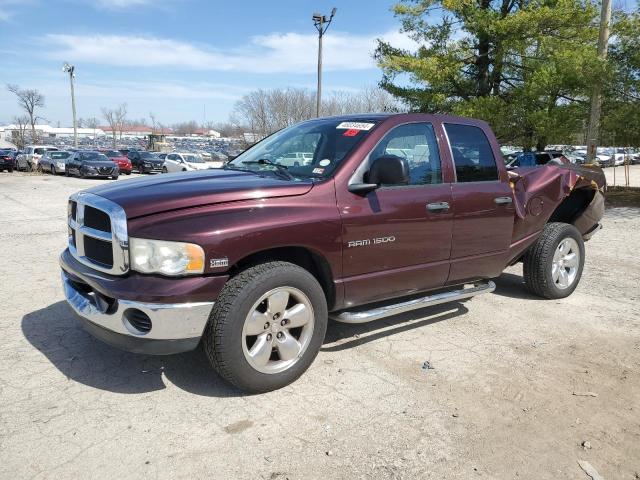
{"points": [[136, 131], [10, 132]]}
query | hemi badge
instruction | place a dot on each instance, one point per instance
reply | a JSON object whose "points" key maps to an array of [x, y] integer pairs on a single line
{"points": [[218, 262]]}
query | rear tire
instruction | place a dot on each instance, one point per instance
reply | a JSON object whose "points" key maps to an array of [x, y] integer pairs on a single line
{"points": [[271, 293], [553, 265]]}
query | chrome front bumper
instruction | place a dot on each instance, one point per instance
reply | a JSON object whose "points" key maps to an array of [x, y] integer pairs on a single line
{"points": [[174, 328]]}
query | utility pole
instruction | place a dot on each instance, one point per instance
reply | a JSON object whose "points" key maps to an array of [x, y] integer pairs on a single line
{"points": [[321, 22], [593, 132], [70, 69]]}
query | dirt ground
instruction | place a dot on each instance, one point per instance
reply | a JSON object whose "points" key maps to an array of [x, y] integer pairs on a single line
{"points": [[516, 385]]}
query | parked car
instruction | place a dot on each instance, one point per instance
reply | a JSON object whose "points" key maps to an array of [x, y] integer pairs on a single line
{"points": [[54, 161], [534, 159], [251, 260], [145, 162], [91, 164], [7, 160], [183, 162], [123, 163], [30, 156]]}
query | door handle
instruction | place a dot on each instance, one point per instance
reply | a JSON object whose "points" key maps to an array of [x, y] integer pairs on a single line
{"points": [[438, 207], [503, 200]]}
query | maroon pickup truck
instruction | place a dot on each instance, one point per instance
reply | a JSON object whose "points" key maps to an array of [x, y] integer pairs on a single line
{"points": [[353, 218]]}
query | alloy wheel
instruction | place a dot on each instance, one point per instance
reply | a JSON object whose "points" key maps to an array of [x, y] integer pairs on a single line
{"points": [[566, 262], [277, 330]]}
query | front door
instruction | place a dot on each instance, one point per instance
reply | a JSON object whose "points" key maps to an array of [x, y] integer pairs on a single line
{"points": [[482, 205], [397, 239]]}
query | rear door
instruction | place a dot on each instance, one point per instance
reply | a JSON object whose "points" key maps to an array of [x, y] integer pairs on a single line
{"points": [[483, 206], [397, 238]]}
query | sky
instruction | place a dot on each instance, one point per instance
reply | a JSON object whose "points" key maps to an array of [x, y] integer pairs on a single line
{"points": [[182, 59]]}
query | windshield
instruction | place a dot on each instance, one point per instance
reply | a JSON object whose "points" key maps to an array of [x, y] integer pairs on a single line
{"points": [[113, 153], [193, 158], [94, 157], [310, 149], [59, 155], [148, 156]]}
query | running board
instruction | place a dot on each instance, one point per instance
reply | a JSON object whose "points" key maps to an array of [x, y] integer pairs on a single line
{"points": [[435, 299]]}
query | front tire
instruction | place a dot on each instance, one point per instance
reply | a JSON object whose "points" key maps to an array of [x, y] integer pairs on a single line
{"points": [[164, 170], [553, 265], [266, 327]]}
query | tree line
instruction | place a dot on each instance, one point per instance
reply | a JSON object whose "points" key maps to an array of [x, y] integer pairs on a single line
{"points": [[266, 111], [526, 66]]}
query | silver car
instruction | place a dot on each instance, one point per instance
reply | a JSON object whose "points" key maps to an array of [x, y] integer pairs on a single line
{"points": [[53, 162]]}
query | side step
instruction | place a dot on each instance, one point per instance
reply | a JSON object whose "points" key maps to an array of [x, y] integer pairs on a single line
{"points": [[435, 299]]}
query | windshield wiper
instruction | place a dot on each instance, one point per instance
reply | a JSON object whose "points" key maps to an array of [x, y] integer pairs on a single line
{"points": [[280, 168]]}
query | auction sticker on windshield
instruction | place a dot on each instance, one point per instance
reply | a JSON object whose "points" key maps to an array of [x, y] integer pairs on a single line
{"points": [[355, 126]]}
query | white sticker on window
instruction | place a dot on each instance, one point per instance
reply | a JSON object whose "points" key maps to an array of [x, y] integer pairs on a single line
{"points": [[355, 126], [325, 162]]}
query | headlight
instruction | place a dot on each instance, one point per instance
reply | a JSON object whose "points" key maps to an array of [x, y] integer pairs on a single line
{"points": [[166, 258], [89, 168]]}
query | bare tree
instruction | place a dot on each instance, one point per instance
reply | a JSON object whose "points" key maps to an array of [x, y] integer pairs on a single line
{"points": [[19, 136], [121, 118], [92, 122], [112, 119], [265, 111], [152, 116], [29, 100], [186, 128]]}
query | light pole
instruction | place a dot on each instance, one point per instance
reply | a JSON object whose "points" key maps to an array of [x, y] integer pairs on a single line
{"points": [[70, 69], [321, 22]]}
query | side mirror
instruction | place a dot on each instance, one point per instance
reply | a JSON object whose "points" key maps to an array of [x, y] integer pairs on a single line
{"points": [[385, 170], [389, 170]]}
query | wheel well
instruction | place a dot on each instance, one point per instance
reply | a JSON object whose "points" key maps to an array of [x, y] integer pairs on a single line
{"points": [[572, 206], [314, 263]]}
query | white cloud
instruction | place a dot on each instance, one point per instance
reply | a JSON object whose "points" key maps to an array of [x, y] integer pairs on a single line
{"points": [[273, 53], [120, 4]]}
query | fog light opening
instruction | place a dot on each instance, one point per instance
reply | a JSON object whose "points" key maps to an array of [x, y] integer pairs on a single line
{"points": [[136, 321]]}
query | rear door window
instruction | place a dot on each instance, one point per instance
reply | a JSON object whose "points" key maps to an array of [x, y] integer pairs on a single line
{"points": [[472, 154]]}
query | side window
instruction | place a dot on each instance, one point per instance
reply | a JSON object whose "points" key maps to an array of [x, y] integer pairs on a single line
{"points": [[415, 142], [472, 154]]}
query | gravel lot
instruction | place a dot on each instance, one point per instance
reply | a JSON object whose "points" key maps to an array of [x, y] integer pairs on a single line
{"points": [[500, 401]]}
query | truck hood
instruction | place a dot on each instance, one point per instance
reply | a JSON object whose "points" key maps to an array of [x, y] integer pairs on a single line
{"points": [[162, 193]]}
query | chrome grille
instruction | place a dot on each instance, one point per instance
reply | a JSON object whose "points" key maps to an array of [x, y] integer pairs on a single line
{"points": [[98, 233]]}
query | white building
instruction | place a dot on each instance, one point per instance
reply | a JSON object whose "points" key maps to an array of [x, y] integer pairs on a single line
{"points": [[47, 131]]}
